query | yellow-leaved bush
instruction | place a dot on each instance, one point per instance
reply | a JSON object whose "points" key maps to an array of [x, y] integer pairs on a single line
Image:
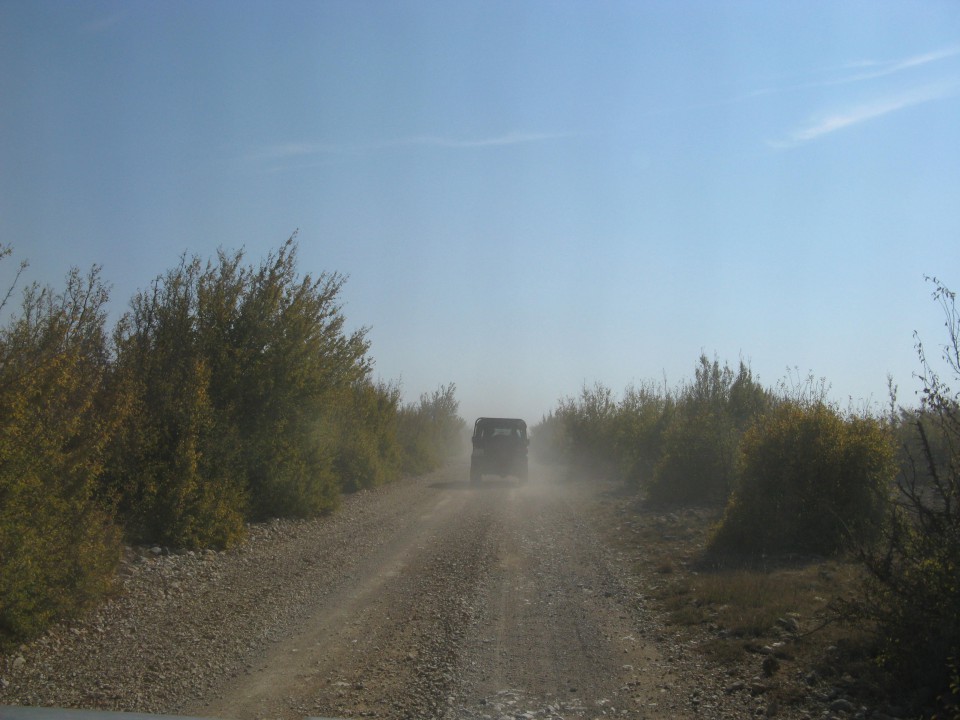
{"points": [[810, 480], [58, 544]]}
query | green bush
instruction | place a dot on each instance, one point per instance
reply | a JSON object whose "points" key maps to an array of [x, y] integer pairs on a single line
{"points": [[243, 378], [547, 438], [679, 446], [590, 428], [912, 594], [697, 463], [810, 482], [288, 385], [643, 416], [698, 459], [369, 451], [171, 485], [582, 433], [58, 546], [230, 393], [430, 431]]}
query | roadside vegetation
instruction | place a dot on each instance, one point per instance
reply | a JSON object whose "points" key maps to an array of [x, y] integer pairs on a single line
{"points": [[228, 393], [787, 526]]}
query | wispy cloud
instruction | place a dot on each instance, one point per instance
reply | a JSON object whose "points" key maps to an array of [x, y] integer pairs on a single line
{"points": [[308, 149], [101, 24], [860, 71], [833, 122], [495, 141], [883, 69]]}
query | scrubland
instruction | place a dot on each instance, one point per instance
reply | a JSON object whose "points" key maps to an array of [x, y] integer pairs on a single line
{"points": [[783, 524], [776, 523], [228, 393]]}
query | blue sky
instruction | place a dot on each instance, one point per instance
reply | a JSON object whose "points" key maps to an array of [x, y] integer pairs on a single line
{"points": [[526, 196]]}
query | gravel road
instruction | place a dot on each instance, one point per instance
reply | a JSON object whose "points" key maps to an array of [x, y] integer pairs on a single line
{"points": [[429, 598]]}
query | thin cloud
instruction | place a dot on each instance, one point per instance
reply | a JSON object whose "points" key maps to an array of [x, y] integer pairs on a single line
{"points": [[295, 150], [95, 27], [865, 70], [831, 123], [497, 141], [301, 150], [927, 58], [886, 69]]}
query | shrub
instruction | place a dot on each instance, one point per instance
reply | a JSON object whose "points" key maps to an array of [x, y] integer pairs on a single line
{"points": [[642, 418], [697, 464], [810, 481], [229, 393], [288, 386], [58, 546], [242, 378], [590, 427], [678, 445], [699, 445], [369, 452], [913, 591], [547, 438], [586, 433], [429, 431], [171, 486]]}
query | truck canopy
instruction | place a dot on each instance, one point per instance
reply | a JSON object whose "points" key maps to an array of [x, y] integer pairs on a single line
{"points": [[488, 427]]}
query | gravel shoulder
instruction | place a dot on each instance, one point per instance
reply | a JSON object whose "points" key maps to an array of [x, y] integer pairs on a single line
{"points": [[429, 598]]}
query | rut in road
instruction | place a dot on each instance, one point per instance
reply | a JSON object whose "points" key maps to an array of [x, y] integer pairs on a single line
{"points": [[488, 600]]}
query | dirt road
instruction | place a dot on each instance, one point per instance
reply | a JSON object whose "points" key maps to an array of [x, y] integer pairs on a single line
{"points": [[431, 598], [481, 599]]}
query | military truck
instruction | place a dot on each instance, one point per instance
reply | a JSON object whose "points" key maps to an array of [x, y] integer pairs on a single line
{"points": [[499, 448]]}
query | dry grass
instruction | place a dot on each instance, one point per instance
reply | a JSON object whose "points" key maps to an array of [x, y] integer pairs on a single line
{"points": [[739, 614]]}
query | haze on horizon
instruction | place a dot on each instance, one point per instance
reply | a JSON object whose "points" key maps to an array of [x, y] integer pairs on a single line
{"points": [[526, 197]]}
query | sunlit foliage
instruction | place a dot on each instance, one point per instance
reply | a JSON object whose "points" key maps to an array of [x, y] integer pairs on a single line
{"points": [[679, 446], [811, 480], [166, 473], [430, 431], [699, 445], [369, 452], [58, 546], [229, 393], [243, 376], [643, 415], [913, 593]]}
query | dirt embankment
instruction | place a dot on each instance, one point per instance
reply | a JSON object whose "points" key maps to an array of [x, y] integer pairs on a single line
{"points": [[430, 598]]}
